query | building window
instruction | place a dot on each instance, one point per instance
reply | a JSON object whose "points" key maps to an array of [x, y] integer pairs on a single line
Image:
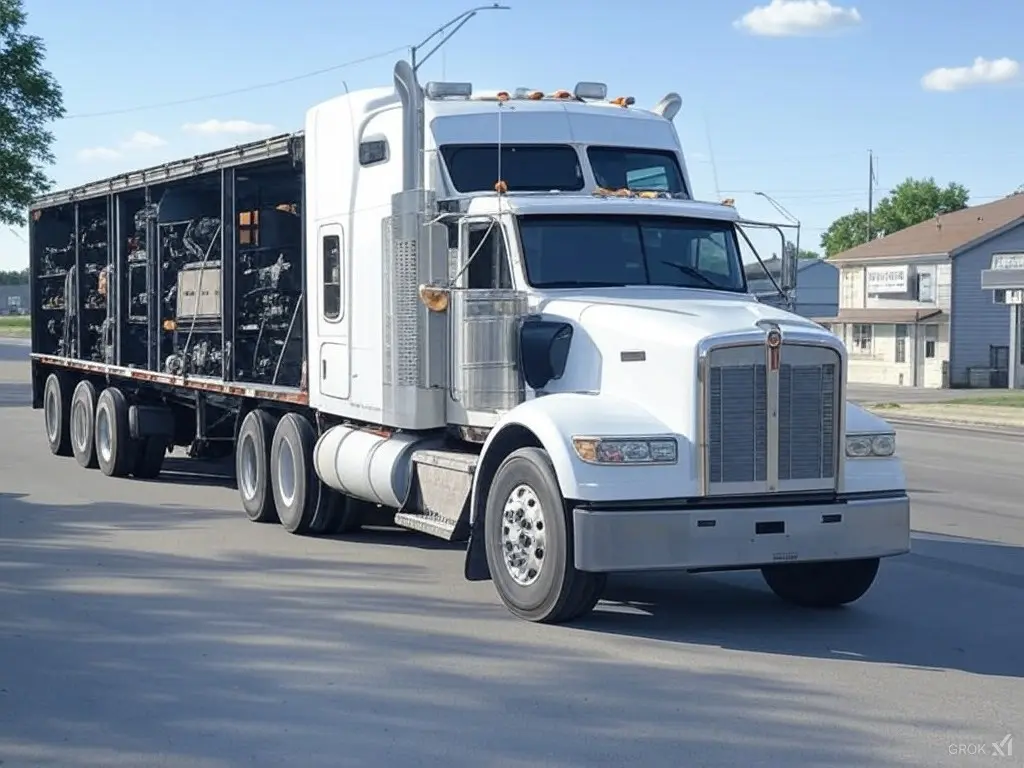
{"points": [[862, 339], [901, 343], [332, 277], [931, 336], [925, 288]]}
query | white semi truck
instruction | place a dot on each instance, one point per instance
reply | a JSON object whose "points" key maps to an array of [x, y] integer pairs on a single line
{"points": [[498, 318]]}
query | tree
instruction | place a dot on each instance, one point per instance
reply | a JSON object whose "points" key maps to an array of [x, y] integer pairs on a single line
{"points": [[908, 203], [847, 232], [11, 277], [29, 97], [916, 200], [802, 254]]}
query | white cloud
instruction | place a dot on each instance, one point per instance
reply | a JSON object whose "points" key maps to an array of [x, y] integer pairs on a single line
{"points": [[138, 141], [144, 140], [791, 18], [233, 127], [92, 154], [981, 72]]}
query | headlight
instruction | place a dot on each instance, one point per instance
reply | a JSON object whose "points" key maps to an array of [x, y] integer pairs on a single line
{"points": [[626, 450], [870, 446]]}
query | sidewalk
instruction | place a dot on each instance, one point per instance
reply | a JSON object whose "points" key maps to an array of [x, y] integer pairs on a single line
{"points": [[952, 413]]}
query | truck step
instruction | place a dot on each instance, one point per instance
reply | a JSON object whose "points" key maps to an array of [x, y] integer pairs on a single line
{"points": [[434, 525], [439, 500]]}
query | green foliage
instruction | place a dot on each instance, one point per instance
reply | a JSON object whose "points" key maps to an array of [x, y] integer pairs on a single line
{"points": [[11, 277], [29, 98], [909, 203]]}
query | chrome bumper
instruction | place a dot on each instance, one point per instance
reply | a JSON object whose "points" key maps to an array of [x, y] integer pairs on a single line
{"points": [[740, 537]]}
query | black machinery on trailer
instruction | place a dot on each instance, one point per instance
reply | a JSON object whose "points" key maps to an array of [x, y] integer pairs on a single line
{"points": [[181, 287]]}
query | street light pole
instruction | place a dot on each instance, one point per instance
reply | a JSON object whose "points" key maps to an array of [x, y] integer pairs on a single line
{"points": [[459, 22]]}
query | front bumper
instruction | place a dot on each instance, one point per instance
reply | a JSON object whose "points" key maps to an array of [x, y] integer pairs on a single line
{"points": [[740, 537]]}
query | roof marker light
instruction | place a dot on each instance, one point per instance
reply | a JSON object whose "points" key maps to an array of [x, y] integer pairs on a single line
{"points": [[561, 95], [591, 90], [441, 90], [624, 101]]}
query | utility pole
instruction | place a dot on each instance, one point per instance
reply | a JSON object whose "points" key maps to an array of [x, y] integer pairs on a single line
{"points": [[871, 190]]}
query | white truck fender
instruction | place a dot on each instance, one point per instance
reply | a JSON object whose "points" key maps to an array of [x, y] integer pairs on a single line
{"points": [[554, 419]]}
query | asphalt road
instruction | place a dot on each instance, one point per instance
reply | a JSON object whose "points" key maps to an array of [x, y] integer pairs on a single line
{"points": [[148, 624]]}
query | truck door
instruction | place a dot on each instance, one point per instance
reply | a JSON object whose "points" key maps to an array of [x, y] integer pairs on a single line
{"points": [[332, 317]]}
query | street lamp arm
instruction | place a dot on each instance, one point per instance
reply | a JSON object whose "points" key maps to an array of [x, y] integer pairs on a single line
{"points": [[459, 21]]}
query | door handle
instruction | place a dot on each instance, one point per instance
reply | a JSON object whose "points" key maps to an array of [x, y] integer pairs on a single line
{"points": [[323, 369]]}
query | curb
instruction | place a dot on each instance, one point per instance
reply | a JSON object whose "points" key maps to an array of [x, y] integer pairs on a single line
{"points": [[970, 426]]}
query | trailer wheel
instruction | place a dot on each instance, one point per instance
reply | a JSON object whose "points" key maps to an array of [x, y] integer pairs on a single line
{"points": [[252, 466], [115, 448], [821, 585], [302, 505], [528, 532], [149, 461], [56, 411], [83, 424]]}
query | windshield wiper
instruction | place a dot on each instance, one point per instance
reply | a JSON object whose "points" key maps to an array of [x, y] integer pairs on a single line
{"points": [[691, 272]]}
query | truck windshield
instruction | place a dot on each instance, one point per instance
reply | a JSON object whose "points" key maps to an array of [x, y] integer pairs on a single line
{"points": [[638, 169], [567, 251]]}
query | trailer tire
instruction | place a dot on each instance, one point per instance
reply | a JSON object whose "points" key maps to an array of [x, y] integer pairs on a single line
{"points": [[301, 502], [82, 424], [524, 496], [149, 461], [56, 415], [252, 466], [821, 585], [114, 445]]}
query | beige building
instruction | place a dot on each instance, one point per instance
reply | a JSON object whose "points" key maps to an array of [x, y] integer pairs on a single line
{"points": [[911, 308]]}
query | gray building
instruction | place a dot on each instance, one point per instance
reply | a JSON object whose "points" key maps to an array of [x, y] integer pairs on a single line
{"points": [[14, 299], [817, 285], [911, 307]]}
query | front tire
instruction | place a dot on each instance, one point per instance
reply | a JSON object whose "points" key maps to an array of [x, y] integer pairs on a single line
{"points": [[822, 585], [528, 534]]}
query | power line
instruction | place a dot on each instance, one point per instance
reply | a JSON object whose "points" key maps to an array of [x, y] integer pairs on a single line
{"points": [[246, 89]]}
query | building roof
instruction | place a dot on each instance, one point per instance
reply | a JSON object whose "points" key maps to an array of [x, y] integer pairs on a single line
{"points": [[944, 234]]}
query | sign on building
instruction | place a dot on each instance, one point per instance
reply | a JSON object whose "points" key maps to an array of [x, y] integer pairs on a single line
{"points": [[883, 280]]}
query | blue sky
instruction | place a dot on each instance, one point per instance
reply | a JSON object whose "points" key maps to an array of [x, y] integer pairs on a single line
{"points": [[792, 115]]}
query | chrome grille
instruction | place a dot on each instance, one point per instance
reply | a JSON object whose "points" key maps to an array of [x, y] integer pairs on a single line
{"points": [[807, 421], [737, 420]]}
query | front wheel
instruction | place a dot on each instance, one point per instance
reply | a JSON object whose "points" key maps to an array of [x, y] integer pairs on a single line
{"points": [[528, 532], [821, 585]]}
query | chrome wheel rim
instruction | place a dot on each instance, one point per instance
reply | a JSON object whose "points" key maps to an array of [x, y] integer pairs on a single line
{"points": [[523, 535], [104, 435], [247, 477], [52, 429], [286, 484]]}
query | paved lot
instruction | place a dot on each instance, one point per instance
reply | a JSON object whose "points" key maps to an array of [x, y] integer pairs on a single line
{"points": [[148, 624]]}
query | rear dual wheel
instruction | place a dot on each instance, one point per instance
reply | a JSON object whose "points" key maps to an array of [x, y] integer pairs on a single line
{"points": [[277, 480]]}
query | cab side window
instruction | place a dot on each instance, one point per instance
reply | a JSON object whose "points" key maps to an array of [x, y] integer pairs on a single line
{"points": [[490, 266]]}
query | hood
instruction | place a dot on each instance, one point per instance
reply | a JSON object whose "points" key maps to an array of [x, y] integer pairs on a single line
{"points": [[640, 344], [682, 315]]}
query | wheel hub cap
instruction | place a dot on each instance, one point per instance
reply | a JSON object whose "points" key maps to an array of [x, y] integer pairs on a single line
{"points": [[523, 535]]}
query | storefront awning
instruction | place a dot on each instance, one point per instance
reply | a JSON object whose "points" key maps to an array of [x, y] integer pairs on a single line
{"points": [[876, 315]]}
